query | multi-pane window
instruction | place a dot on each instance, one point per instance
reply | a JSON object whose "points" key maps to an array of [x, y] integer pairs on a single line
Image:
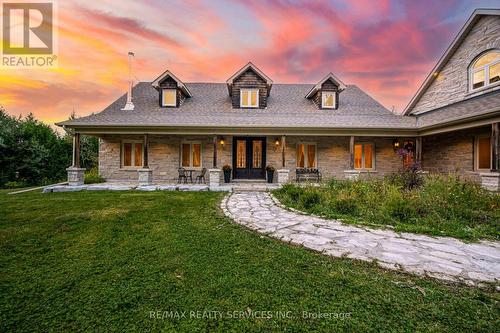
{"points": [[257, 154], [191, 155], [132, 154], [363, 156], [241, 154], [169, 97], [328, 99], [486, 70], [483, 156], [249, 98], [306, 155]]}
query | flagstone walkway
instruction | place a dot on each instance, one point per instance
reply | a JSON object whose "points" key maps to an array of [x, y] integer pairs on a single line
{"points": [[438, 257]]}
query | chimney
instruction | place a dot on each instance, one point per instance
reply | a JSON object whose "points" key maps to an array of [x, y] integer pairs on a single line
{"points": [[129, 106]]}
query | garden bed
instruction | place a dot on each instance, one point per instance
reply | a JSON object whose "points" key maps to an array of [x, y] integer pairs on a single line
{"points": [[441, 205]]}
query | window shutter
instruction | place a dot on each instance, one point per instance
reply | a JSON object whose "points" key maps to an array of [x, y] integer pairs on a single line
{"points": [[337, 100]]}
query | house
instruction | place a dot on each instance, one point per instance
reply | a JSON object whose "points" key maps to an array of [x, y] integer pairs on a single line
{"points": [[248, 122]]}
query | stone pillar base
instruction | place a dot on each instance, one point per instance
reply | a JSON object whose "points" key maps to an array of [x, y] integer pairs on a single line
{"points": [[283, 176], [75, 176], [490, 181], [214, 177], [145, 177], [351, 174]]}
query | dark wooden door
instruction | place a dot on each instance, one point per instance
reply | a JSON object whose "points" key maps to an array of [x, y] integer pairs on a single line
{"points": [[249, 157]]}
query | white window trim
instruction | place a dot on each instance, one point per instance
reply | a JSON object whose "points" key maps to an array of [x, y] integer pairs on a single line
{"points": [[305, 154], [162, 100], [486, 69], [191, 143], [476, 154], [122, 153], [323, 100], [373, 168], [249, 98]]}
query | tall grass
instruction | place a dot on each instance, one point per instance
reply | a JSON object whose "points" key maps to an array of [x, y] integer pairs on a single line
{"points": [[441, 205]]}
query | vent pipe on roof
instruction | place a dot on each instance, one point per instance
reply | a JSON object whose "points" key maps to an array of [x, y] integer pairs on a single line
{"points": [[129, 105]]}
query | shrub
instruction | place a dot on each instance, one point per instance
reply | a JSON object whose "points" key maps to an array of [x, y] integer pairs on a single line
{"points": [[310, 198], [226, 167], [345, 204], [15, 184], [92, 177]]}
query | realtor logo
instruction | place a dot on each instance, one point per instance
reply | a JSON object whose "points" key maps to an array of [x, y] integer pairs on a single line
{"points": [[28, 34]]}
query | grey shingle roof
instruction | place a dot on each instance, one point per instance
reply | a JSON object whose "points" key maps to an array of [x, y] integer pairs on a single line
{"points": [[210, 105], [469, 108]]}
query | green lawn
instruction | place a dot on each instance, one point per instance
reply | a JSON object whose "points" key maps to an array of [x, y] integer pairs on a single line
{"points": [[103, 261]]}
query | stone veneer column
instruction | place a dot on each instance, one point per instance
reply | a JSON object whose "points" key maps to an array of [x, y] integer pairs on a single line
{"points": [[283, 176], [75, 173], [145, 176], [214, 177]]}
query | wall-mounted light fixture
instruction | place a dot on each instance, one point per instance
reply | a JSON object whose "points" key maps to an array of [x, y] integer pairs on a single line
{"points": [[396, 144], [222, 141], [277, 142]]}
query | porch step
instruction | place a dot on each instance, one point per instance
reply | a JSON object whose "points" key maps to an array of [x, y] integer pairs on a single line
{"points": [[248, 181], [253, 187]]}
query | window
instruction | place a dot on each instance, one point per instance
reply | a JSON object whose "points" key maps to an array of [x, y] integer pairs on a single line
{"points": [[249, 98], [306, 155], [483, 153], [485, 71], [363, 156], [131, 154], [328, 99], [191, 155], [241, 154], [169, 97], [257, 154]]}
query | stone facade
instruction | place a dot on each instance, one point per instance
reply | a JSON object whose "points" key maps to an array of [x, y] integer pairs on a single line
{"points": [[452, 83], [164, 155], [452, 152]]}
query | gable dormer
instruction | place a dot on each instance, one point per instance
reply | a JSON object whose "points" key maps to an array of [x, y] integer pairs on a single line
{"points": [[249, 88], [326, 93], [171, 91]]}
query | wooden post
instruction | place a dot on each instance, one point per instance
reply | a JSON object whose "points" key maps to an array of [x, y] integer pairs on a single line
{"points": [[495, 146], [145, 152], [351, 152], [418, 150], [76, 150], [215, 151], [283, 151]]}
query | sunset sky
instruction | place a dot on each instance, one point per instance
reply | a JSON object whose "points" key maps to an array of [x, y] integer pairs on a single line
{"points": [[385, 47]]}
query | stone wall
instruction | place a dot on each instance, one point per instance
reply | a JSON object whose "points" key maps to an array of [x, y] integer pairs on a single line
{"points": [[164, 155], [452, 83], [451, 152]]}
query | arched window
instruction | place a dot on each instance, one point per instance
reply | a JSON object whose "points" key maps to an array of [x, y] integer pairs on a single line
{"points": [[485, 70]]}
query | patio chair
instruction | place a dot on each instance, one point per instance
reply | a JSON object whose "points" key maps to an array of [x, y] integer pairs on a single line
{"points": [[201, 176], [182, 176]]}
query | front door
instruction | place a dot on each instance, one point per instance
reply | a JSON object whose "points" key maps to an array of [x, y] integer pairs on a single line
{"points": [[249, 157]]}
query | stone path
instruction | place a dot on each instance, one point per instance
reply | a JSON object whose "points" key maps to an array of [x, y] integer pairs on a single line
{"points": [[438, 257]]}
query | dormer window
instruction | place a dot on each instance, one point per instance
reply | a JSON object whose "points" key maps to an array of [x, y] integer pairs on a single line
{"points": [[485, 71], [169, 97], [328, 99], [249, 98]]}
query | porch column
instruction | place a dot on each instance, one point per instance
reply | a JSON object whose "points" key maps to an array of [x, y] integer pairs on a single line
{"points": [[214, 174], [145, 151], [418, 150], [283, 151], [495, 143], [76, 150], [283, 173], [351, 153], [75, 173], [351, 174], [215, 152], [491, 180], [145, 174]]}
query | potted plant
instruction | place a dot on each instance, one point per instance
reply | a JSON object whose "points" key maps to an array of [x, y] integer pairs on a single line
{"points": [[227, 173], [270, 173]]}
